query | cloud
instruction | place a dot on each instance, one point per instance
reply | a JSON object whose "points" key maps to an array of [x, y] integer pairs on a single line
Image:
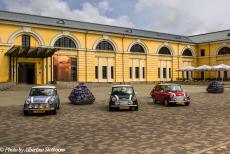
{"points": [[184, 17], [59, 8]]}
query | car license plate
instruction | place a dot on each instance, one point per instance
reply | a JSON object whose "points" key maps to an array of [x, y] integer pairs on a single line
{"points": [[124, 107], [39, 111], [179, 102]]}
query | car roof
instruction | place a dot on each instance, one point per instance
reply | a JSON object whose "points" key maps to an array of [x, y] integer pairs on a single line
{"points": [[122, 86], [48, 87]]}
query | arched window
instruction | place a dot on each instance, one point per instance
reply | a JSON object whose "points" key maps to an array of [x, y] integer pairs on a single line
{"points": [[164, 51], [65, 42], [104, 45], [187, 52], [224, 51], [137, 48]]}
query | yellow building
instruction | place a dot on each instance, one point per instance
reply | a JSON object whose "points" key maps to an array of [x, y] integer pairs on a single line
{"points": [[40, 50]]}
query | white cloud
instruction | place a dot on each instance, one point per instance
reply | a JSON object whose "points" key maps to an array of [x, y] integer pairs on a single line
{"points": [[59, 8], [184, 16]]}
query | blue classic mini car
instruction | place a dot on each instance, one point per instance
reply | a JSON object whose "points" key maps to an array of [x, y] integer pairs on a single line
{"points": [[123, 97], [42, 99]]}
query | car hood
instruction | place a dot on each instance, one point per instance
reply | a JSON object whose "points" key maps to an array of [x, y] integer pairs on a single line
{"points": [[178, 93], [40, 99], [123, 97]]}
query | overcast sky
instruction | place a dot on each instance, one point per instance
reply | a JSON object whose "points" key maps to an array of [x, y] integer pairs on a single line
{"points": [[185, 17]]}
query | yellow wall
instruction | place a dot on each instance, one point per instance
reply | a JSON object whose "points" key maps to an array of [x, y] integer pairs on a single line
{"points": [[121, 59]]}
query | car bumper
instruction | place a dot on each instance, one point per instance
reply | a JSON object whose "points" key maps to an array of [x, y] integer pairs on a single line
{"points": [[215, 90], [124, 105], [39, 109], [178, 102]]}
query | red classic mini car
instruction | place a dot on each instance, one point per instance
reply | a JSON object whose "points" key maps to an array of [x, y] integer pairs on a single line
{"points": [[169, 94]]}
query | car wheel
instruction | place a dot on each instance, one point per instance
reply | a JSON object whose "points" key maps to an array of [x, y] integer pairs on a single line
{"points": [[186, 103], [166, 103], [53, 112], [58, 107], [154, 100], [111, 109], [136, 108], [26, 113]]}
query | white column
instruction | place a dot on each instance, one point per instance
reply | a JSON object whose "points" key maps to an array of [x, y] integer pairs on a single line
{"points": [[185, 75], [161, 70], [100, 69], [167, 70], [190, 75], [141, 71], [108, 70], [133, 69]]}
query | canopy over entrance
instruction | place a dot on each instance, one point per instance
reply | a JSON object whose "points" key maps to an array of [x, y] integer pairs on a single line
{"points": [[31, 52], [37, 70]]}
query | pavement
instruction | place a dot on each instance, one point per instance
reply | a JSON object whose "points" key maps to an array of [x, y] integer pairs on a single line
{"points": [[91, 129]]}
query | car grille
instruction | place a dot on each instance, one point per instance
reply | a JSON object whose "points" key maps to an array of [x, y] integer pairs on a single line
{"points": [[38, 105], [180, 98]]}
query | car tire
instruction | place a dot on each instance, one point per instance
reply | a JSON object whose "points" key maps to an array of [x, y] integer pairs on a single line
{"points": [[111, 109], [186, 104], [58, 107], [166, 103], [136, 108], [154, 100], [26, 113], [53, 112]]}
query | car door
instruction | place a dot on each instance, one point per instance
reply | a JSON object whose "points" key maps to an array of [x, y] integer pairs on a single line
{"points": [[161, 93], [157, 93]]}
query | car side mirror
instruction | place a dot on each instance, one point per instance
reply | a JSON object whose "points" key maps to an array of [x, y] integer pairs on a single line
{"points": [[162, 91]]}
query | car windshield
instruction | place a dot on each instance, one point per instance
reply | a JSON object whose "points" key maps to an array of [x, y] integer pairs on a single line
{"points": [[122, 90], [41, 92], [173, 88]]}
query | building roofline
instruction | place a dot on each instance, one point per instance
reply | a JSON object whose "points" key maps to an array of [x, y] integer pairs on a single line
{"points": [[209, 33], [155, 34], [86, 22], [97, 24]]}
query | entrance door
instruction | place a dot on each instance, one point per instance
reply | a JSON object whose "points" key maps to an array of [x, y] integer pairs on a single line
{"points": [[202, 75], [26, 73]]}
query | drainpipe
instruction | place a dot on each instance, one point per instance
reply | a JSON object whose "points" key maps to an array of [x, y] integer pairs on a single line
{"points": [[123, 58], [86, 50], [178, 73], [209, 58], [10, 69]]}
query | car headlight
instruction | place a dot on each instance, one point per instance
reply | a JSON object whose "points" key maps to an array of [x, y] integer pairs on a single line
{"points": [[134, 99], [113, 99], [172, 95], [28, 101]]}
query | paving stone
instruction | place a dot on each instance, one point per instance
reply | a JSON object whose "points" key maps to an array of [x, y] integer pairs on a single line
{"points": [[87, 129]]}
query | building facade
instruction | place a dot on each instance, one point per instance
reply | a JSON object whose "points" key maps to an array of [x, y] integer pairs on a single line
{"points": [[41, 50]]}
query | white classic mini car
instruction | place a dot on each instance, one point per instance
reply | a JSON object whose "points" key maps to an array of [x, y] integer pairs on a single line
{"points": [[42, 99], [123, 97]]}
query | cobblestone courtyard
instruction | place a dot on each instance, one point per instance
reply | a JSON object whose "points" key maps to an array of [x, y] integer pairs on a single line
{"points": [[89, 129]]}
